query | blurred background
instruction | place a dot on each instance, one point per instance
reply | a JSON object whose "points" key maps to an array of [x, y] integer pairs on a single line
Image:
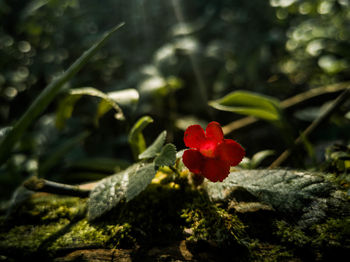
{"points": [[168, 61]]}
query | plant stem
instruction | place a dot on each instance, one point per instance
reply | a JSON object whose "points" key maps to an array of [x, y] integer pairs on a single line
{"points": [[316, 123], [42, 185]]}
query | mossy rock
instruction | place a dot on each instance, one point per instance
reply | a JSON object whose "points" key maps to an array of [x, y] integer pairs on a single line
{"points": [[51, 227], [169, 222]]}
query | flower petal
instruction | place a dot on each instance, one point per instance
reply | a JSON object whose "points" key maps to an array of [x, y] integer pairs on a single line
{"points": [[230, 151], [193, 160], [194, 136], [215, 169], [214, 131]]}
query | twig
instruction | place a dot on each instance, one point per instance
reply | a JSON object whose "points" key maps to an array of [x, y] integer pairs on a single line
{"points": [[322, 118], [290, 102], [43, 185]]}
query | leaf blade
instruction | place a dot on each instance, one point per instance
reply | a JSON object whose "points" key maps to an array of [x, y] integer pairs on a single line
{"points": [[167, 156], [249, 103], [155, 147], [47, 95], [123, 186], [135, 138]]}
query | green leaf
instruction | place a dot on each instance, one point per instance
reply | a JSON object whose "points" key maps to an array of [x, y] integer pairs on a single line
{"points": [[66, 106], [167, 156], [4, 131], [46, 97], [155, 148], [248, 103], [127, 97], [136, 139], [120, 187], [65, 110], [259, 157]]}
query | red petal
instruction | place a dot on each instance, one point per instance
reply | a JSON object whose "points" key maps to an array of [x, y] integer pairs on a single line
{"points": [[215, 169], [193, 160], [230, 151], [214, 131], [194, 136]]}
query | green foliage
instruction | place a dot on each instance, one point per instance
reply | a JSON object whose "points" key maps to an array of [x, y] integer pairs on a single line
{"points": [[256, 159], [166, 157], [154, 149], [123, 186], [248, 103], [66, 105], [136, 138], [46, 97]]}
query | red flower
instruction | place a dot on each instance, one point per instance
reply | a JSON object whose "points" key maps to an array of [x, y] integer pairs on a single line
{"points": [[210, 155]]}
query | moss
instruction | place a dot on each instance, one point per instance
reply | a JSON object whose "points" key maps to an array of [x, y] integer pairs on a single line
{"points": [[322, 241], [292, 235], [45, 208], [266, 252], [86, 235], [208, 222], [334, 232], [28, 238]]}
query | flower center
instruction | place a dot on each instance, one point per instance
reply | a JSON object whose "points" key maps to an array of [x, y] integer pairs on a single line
{"points": [[207, 148]]}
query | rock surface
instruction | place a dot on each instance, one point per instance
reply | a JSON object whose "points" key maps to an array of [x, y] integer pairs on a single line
{"points": [[307, 196]]}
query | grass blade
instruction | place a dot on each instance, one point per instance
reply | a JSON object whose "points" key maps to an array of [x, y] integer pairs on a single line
{"points": [[46, 97]]}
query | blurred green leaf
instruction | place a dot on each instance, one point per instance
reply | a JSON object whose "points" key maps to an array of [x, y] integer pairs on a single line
{"points": [[125, 97], [46, 97], [259, 157], [4, 131], [136, 139], [65, 110], [123, 186], [66, 105], [248, 103], [167, 156], [155, 148]]}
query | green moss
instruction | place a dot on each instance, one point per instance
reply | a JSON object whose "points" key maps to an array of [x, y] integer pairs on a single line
{"points": [[44, 208], [208, 222], [333, 233], [292, 235], [84, 235], [265, 252], [29, 238], [322, 241]]}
